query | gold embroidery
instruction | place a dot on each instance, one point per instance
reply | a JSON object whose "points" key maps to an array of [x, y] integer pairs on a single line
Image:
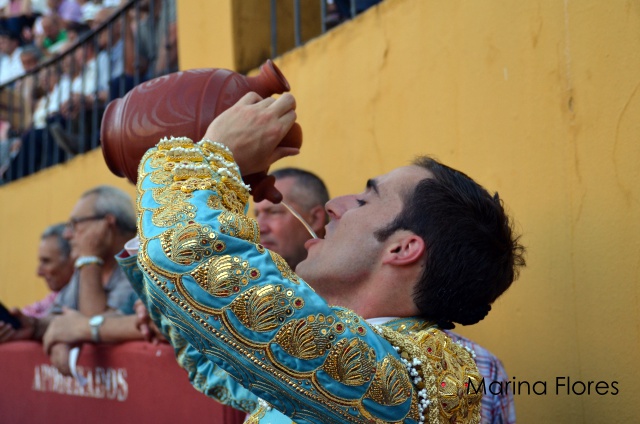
{"points": [[186, 244], [447, 368], [192, 184], [232, 202], [157, 160], [284, 268], [227, 186], [305, 338], [214, 202], [172, 213], [170, 143], [453, 368], [190, 154], [209, 148], [162, 178], [264, 308], [351, 362], [336, 405], [352, 321], [239, 226], [183, 171], [412, 324], [223, 276], [391, 385]]}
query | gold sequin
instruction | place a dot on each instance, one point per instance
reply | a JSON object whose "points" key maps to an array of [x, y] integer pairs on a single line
{"points": [[284, 268], [351, 362], [239, 226], [186, 244], [391, 385], [223, 276], [262, 308], [305, 338]]}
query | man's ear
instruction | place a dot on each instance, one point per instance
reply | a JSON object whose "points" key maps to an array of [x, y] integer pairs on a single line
{"points": [[404, 248]]}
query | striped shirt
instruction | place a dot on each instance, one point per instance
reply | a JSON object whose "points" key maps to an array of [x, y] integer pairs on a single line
{"points": [[496, 409]]}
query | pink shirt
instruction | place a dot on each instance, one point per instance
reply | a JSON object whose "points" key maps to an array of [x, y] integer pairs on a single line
{"points": [[41, 307]]}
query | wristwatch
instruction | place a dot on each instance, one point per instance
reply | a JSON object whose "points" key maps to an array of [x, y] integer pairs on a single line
{"points": [[95, 322], [87, 260]]}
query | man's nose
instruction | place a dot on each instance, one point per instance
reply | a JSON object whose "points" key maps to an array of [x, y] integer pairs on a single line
{"points": [[263, 225], [338, 206]]}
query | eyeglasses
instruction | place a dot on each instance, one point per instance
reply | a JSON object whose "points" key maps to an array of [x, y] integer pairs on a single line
{"points": [[73, 222]]}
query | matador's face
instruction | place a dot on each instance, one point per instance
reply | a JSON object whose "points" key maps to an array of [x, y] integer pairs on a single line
{"points": [[351, 255]]}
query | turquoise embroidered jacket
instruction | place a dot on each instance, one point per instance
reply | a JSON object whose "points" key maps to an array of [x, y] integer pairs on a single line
{"points": [[219, 293], [204, 375]]}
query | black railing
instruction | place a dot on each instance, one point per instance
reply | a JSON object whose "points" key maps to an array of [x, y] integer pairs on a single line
{"points": [[332, 13], [54, 110]]}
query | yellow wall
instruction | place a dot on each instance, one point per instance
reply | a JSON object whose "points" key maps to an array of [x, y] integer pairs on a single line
{"points": [[538, 100], [205, 27]]}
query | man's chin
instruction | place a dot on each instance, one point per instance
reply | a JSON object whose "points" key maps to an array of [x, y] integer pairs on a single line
{"points": [[308, 272]]}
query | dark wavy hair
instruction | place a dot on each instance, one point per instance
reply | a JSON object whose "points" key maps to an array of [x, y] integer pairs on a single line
{"points": [[472, 252]]}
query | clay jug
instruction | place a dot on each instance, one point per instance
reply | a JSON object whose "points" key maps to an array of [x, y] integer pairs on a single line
{"points": [[184, 104]]}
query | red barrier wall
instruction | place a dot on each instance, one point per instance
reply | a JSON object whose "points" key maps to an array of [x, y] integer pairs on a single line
{"points": [[134, 382]]}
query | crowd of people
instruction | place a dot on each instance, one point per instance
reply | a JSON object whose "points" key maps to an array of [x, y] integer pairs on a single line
{"points": [[62, 61]]}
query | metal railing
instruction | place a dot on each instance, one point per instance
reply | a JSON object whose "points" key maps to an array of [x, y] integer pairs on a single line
{"points": [[54, 110], [332, 13]]}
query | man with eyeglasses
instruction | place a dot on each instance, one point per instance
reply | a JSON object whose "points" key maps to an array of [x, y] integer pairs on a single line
{"points": [[101, 222]]}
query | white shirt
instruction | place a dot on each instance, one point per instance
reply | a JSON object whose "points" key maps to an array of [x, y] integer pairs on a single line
{"points": [[11, 66]]}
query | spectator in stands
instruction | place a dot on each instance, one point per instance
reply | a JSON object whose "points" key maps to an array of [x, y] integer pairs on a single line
{"points": [[71, 327], [68, 10], [76, 30], [168, 46], [156, 36], [30, 56], [37, 148], [10, 101], [55, 265], [89, 10], [87, 84], [53, 36], [115, 53], [101, 222], [10, 63], [17, 15], [9, 148], [71, 127]]}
